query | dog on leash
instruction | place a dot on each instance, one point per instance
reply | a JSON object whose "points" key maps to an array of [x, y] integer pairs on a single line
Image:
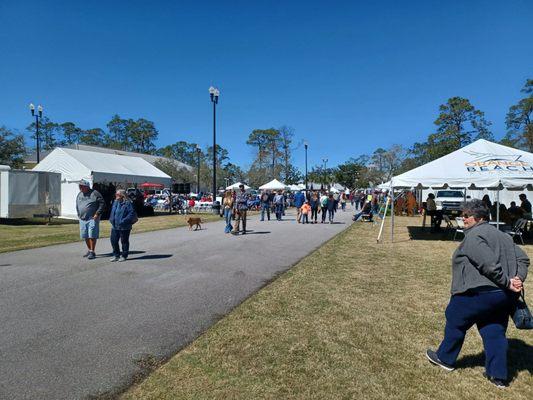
{"points": [[194, 221]]}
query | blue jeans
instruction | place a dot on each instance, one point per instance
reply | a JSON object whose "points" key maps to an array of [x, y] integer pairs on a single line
{"points": [[331, 214], [124, 237], [279, 211], [265, 207], [227, 218], [489, 310]]}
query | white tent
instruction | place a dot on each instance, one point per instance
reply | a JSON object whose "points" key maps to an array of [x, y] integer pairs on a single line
{"points": [[295, 188], [235, 186], [75, 165], [274, 184], [481, 165]]}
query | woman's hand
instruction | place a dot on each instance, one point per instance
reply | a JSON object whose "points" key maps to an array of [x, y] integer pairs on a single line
{"points": [[515, 284]]}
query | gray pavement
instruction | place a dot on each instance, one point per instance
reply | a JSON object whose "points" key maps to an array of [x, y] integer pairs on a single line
{"points": [[73, 328]]}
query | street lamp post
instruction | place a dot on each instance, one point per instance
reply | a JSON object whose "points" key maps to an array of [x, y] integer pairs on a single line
{"points": [[198, 169], [214, 94], [37, 116], [305, 146]]}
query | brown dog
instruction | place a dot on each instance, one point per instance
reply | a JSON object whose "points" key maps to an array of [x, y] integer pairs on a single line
{"points": [[194, 221]]}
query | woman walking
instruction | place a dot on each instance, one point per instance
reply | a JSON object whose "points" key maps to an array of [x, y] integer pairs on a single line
{"points": [[315, 204], [488, 270], [343, 202], [122, 218], [324, 206], [331, 206], [227, 204]]}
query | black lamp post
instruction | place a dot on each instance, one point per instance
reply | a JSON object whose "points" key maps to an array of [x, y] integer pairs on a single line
{"points": [[305, 146], [214, 93], [37, 116], [198, 151]]}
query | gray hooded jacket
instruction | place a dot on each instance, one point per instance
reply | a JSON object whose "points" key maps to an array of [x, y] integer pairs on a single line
{"points": [[486, 257]]}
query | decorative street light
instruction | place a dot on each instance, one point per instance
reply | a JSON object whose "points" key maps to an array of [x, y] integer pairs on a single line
{"points": [[198, 152], [37, 116], [214, 94], [305, 146]]}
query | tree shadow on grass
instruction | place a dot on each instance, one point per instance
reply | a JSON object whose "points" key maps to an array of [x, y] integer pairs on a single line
{"points": [[424, 233], [519, 358]]}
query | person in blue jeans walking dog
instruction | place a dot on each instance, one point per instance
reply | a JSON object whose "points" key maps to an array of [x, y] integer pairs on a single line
{"points": [[122, 218], [488, 270]]}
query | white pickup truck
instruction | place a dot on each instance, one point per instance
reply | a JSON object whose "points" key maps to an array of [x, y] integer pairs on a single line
{"points": [[450, 202]]}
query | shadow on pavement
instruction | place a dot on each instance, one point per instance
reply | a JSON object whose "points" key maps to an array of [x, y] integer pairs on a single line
{"points": [[520, 358], [151, 257], [111, 254]]}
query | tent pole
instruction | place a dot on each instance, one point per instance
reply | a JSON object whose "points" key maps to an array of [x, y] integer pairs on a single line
{"points": [[391, 212], [498, 207], [383, 220]]}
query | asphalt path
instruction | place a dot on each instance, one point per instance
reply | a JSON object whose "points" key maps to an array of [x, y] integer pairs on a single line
{"points": [[72, 328]]}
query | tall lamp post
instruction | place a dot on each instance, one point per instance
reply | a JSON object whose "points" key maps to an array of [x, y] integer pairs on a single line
{"points": [[37, 116], [198, 169], [305, 146], [214, 93]]}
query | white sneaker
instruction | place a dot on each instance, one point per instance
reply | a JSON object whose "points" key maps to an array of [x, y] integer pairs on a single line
{"points": [[122, 259], [114, 259]]}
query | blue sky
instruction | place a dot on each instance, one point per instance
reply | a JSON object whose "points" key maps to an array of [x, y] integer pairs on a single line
{"points": [[348, 76]]}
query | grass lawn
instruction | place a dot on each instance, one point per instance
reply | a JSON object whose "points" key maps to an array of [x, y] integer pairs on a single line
{"points": [[350, 321], [26, 234]]}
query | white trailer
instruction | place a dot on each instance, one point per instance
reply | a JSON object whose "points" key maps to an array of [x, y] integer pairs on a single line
{"points": [[25, 194]]}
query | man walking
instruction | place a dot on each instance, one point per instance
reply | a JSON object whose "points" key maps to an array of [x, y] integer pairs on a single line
{"points": [[265, 205], [278, 202], [241, 209], [90, 205], [299, 199]]}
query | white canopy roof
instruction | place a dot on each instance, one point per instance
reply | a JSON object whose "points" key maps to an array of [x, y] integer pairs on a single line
{"points": [[236, 186], [481, 164], [274, 184], [295, 188], [101, 167]]}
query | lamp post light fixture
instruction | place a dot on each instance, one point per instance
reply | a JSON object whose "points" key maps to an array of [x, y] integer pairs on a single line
{"points": [[305, 146], [214, 94], [37, 116]]}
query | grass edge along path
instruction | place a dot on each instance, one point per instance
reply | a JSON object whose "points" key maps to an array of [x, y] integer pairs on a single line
{"points": [[15, 237], [351, 320]]}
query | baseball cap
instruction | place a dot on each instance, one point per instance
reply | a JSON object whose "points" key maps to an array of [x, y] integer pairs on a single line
{"points": [[84, 182]]}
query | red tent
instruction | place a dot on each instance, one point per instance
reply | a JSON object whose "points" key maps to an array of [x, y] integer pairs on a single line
{"points": [[150, 185]]}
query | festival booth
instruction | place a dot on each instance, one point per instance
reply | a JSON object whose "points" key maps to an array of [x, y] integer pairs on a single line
{"points": [[478, 168], [274, 184], [105, 172]]}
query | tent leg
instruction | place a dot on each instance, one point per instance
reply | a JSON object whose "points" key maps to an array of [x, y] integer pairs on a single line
{"points": [[392, 214], [498, 208], [383, 220]]}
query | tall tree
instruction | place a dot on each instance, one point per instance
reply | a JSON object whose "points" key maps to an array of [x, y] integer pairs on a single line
{"points": [[142, 135], [182, 151], [92, 137], [118, 133], [286, 136], [47, 133], [458, 124], [12, 149], [70, 133], [519, 121]]}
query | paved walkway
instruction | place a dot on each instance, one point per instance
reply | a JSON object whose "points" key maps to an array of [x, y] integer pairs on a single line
{"points": [[73, 328]]}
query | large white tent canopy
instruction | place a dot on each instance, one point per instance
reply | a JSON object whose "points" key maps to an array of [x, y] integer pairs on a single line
{"points": [[235, 186], [75, 165], [274, 184], [479, 165]]}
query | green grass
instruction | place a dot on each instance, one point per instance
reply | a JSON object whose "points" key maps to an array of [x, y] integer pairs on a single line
{"points": [[31, 233], [350, 321]]}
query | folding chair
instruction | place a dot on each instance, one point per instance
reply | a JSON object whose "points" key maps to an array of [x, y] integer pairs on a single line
{"points": [[518, 229], [460, 226]]}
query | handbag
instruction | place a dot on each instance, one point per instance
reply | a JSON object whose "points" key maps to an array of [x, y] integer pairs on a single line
{"points": [[522, 317]]}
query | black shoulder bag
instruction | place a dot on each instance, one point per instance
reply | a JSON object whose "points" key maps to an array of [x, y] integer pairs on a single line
{"points": [[522, 317]]}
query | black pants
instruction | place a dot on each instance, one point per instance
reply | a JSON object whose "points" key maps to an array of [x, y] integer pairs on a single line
{"points": [[324, 213], [314, 214], [124, 237]]}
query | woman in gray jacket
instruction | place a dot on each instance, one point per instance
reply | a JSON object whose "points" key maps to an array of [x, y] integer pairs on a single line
{"points": [[488, 270]]}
